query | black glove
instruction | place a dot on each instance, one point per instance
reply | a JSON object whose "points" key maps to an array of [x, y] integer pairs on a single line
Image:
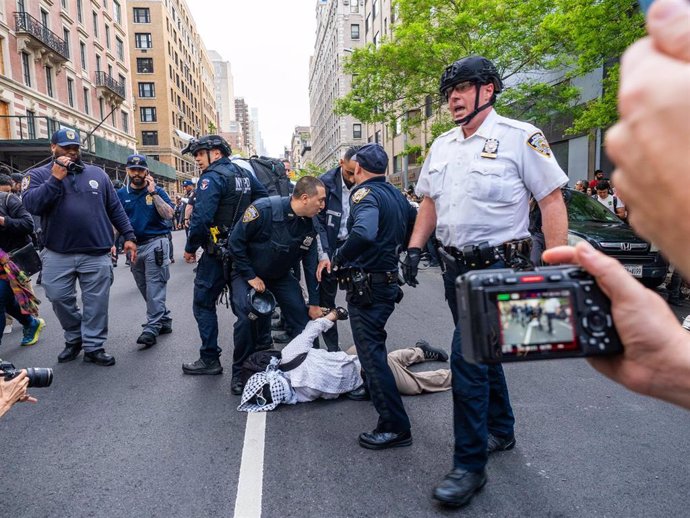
{"points": [[336, 260], [410, 264]]}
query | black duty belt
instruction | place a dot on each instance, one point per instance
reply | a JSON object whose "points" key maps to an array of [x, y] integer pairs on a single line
{"points": [[384, 277], [150, 239], [482, 255]]}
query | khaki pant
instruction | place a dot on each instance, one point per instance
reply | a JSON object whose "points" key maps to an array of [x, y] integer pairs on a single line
{"points": [[412, 383]]}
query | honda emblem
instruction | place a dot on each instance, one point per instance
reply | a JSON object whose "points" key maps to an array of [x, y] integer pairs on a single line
{"points": [[626, 247]]}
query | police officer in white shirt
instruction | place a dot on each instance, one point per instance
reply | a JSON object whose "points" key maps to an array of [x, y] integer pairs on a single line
{"points": [[476, 181]]}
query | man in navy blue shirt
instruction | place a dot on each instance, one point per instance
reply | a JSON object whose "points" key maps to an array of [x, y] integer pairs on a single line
{"points": [[78, 209], [150, 211], [380, 223]]}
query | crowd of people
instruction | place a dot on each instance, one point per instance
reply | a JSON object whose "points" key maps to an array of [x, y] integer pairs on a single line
{"points": [[346, 229]]}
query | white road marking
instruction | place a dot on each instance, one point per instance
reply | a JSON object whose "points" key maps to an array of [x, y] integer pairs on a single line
{"points": [[250, 484]]}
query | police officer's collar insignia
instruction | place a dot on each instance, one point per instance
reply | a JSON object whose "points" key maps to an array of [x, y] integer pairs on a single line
{"points": [[204, 184], [250, 214], [25, 182], [360, 194], [490, 148], [538, 142]]}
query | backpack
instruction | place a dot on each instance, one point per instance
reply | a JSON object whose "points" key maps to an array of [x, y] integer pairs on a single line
{"points": [[271, 173]]}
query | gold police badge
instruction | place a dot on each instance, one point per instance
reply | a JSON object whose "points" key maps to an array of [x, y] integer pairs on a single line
{"points": [[490, 148]]}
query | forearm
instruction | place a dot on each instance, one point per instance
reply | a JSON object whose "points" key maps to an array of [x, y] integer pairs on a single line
{"points": [[164, 210], [672, 382], [304, 341], [425, 224], [554, 219]]}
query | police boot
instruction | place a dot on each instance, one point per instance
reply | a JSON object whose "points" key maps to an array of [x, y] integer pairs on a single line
{"points": [[459, 486], [202, 366], [70, 352]]}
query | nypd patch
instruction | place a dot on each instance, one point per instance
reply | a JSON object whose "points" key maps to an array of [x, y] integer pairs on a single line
{"points": [[25, 182], [250, 214], [204, 184], [360, 195], [538, 142]]}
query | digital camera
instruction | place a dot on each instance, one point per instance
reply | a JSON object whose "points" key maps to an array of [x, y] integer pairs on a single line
{"points": [[551, 312], [38, 377]]}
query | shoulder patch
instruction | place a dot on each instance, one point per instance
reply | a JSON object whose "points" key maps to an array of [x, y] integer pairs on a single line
{"points": [[538, 142], [25, 182], [360, 195], [204, 184], [250, 214]]}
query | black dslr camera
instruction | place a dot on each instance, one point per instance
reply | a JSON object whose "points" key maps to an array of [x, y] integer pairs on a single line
{"points": [[551, 312], [38, 377]]}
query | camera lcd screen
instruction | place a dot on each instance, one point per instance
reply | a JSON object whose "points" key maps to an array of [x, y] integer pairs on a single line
{"points": [[536, 321]]}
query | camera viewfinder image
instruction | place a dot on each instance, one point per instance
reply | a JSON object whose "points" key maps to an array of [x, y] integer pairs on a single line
{"points": [[536, 321]]}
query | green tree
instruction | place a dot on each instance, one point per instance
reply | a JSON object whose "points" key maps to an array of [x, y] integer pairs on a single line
{"points": [[309, 169], [532, 42]]}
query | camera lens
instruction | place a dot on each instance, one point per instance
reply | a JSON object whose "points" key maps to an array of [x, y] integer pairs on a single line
{"points": [[39, 377], [597, 321]]}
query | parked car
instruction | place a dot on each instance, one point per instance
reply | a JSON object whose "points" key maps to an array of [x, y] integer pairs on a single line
{"points": [[590, 221]]}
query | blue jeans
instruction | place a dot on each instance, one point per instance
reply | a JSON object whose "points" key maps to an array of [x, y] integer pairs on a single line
{"points": [[480, 397], [9, 305]]}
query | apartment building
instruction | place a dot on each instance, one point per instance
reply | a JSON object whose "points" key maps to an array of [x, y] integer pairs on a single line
{"points": [[172, 80], [242, 115], [299, 153], [64, 63], [224, 91], [339, 29]]}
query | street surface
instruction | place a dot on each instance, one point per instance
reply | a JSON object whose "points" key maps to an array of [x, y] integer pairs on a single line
{"points": [[140, 439]]}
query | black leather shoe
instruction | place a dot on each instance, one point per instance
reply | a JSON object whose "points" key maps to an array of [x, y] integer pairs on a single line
{"points": [[359, 394], [147, 340], [340, 312], [236, 386], [166, 328], [459, 486], [99, 357], [499, 444], [431, 353], [383, 440], [70, 352], [202, 366], [282, 338]]}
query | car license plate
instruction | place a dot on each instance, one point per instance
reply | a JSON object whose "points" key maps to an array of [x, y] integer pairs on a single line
{"points": [[634, 269]]}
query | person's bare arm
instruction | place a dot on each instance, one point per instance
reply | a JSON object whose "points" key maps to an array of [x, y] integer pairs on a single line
{"points": [[554, 217]]}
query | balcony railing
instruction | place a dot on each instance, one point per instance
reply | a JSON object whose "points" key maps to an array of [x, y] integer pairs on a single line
{"points": [[109, 82], [25, 23], [27, 128]]}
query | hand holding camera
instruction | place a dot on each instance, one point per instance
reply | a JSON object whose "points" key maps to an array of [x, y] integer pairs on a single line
{"points": [[14, 383]]}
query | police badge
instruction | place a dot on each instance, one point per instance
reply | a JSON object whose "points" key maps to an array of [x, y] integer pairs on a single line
{"points": [[490, 148]]}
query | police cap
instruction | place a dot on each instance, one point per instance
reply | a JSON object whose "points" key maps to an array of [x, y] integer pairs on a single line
{"points": [[65, 137], [372, 158], [137, 161]]}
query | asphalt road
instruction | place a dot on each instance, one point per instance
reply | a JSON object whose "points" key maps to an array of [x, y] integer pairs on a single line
{"points": [[140, 439]]}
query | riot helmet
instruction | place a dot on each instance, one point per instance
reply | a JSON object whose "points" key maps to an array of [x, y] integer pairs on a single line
{"points": [[260, 304], [477, 70], [208, 142]]}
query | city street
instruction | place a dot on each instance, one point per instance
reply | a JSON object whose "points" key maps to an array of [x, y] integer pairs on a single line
{"points": [[140, 439]]}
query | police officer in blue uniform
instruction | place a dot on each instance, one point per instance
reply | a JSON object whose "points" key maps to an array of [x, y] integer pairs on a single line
{"points": [[339, 182], [150, 211], [223, 193], [275, 233], [476, 180], [379, 225]]}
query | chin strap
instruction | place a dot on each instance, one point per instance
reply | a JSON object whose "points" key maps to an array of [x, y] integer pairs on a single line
{"points": [[477, 109]]}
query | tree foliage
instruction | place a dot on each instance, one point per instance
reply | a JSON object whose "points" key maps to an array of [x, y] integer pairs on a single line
{"points": [[537, 45]]}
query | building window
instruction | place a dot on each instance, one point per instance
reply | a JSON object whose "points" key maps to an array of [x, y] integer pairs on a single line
{"points": [[31, 123], [20, 6], [101, 107], [95, 24], [145, 65], [142, 15], [113, 119], [149, 138], [148, 114], [80, 11], [107, 36], [49, 81], [367, 24], [125, 122], [377, 137], [120, 48], [354, 6], [118, 12], [142, 40], [121, 79], [82, 54], [44, 19], [428, 106], [86, 101], [374, 8], [26, 69], [64, 4], [356, 131], [65, 36], [147, 90], [98, 63], [354, 31], [70, 91]]}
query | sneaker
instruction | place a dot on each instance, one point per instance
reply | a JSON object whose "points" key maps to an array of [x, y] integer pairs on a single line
{"points": [[33, 331], [431, 353], [8, 329], [202, 366]]}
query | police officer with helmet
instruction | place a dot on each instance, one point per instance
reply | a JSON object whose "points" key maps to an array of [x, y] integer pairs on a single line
{"points": [[476, 181], [379, 225], [223, 193], [150, 211], [275, 233]]}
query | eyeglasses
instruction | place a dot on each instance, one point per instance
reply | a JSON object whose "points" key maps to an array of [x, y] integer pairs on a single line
{"points": [[461, 87]]}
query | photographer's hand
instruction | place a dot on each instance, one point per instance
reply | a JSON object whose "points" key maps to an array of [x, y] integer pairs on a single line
{"points": [[656, 357], [14, 391]]}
